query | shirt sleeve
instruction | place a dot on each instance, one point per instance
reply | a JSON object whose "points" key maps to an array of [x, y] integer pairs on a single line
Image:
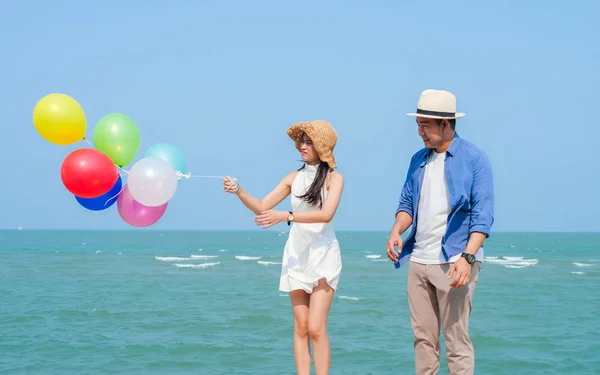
{"points": [[482, 197], [405, 202]]}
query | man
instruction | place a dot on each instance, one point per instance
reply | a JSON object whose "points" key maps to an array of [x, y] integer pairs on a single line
{"points": [[448, 199]]}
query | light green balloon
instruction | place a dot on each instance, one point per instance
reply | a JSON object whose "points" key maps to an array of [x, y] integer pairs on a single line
{"points": [[118, 137]]}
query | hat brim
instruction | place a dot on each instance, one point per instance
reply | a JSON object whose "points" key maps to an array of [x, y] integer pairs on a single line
{"points": [[456, 115]]}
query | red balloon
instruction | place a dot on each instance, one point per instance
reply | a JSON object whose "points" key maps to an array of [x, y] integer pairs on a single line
{"points": [[88, 173]]}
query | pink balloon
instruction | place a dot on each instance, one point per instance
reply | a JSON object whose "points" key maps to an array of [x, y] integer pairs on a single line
{"points": [[135, 213]]}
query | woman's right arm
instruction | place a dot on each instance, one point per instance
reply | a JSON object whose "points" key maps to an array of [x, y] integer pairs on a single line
{"points": [[278, 194]]}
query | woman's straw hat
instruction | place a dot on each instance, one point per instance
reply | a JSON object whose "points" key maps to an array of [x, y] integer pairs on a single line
{"points": [[321, 133]]}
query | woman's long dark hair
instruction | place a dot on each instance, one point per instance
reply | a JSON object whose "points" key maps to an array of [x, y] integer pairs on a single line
{"points": [[313, 195]]}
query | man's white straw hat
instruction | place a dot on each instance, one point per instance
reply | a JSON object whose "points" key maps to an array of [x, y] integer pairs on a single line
{"points": [[438, 104]]}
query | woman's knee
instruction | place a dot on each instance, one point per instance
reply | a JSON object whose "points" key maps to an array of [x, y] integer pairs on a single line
{"points": [[316, 330], [301, 327]]}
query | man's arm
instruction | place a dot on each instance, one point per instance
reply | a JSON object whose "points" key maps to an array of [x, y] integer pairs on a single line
{"points": [[482, 202], [402, 223], [404, 211]]}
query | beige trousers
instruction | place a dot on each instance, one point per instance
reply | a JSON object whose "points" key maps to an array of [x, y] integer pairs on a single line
{"points": [[434, 304]]}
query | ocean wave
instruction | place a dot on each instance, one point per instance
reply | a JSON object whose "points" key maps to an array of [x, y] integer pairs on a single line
{"points": [[577, 273], [373, 256], [583, 265], [266, 263], [201, 265], [204, 256], [244, 257], [172, 259], [512, 262], [349, 298]]}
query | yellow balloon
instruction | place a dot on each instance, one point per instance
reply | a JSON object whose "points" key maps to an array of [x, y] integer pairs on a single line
{"points": [[59, 119]]}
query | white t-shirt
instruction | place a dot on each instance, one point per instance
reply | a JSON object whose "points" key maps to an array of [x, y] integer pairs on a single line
{"points": [[432, 216]]}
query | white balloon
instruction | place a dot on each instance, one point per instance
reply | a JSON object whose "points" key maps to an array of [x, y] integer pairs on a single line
{"points": [[152, 181]]}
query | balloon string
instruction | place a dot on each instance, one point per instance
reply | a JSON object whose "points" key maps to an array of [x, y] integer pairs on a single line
{"points": [[116, 195], [90, 143], [187, 176], [180, 175]]}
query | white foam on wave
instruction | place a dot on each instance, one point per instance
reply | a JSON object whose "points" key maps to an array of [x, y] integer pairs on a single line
{"points": [[513, 258], [222, 250], [172, 259], [266, 263], [349, 298], [98, 251], [204, 256], [577, 273], [201, 265], [512, 262], [373, 256], [244, 257], [583, 265]]}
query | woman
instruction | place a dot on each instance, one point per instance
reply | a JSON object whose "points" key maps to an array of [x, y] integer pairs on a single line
{"points": [[311, 260]]}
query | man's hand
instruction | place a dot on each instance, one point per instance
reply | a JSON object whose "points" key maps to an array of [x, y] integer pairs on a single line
{"points": [[461, 269], [394, 241]]}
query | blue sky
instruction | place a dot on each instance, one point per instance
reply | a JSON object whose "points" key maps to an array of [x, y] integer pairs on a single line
{"points": [[224, 80]]}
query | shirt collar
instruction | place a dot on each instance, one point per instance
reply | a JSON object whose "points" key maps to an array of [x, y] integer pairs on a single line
{"points": [[454, 145], [450, 151]]}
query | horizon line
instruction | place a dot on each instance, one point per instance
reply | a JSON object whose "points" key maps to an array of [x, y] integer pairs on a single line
{"points": [[261, 230]]}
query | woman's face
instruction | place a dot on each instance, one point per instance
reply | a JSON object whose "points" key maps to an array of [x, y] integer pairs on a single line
{"points": [[307, 149]]}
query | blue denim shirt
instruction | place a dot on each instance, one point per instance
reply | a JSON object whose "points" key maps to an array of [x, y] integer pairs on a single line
{"points": [[468, 174]]}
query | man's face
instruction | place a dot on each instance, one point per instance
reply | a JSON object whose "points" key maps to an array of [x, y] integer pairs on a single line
{"points": [[431, 132]]}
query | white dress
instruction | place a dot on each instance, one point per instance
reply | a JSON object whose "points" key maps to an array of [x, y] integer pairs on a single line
{"points": [[312, 251]]}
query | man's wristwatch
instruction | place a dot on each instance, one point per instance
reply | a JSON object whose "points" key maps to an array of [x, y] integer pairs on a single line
{"points": [[290, 217], [469, 257]]}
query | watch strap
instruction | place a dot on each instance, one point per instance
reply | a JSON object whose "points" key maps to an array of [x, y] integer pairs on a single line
{"points": [[469, 257]]}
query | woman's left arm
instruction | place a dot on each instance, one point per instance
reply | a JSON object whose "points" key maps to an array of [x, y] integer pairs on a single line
{"points": [[269, 218]]}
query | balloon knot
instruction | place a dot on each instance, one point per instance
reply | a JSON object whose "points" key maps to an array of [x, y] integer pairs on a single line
{"points": [[180, 175]]}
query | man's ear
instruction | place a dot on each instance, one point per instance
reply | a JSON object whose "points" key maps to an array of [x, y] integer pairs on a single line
{"points": [[444, 123]]}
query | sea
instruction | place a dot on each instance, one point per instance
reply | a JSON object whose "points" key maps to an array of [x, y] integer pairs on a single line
{"points": [[201, 302]]}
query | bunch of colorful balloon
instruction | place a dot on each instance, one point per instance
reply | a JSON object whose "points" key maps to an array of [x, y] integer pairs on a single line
{"points": [[92, 174]]}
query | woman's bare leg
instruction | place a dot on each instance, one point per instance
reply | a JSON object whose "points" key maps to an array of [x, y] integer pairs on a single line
{"points": [[320, 303], [300, 301]]}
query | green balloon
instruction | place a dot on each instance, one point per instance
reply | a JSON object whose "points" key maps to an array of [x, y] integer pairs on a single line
{"points": [[118, 137]]}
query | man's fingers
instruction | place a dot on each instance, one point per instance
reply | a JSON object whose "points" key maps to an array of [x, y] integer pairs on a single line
{"points": [[390, 247], [391, 252], [451, 271], [465, 279], [460, 280]]}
